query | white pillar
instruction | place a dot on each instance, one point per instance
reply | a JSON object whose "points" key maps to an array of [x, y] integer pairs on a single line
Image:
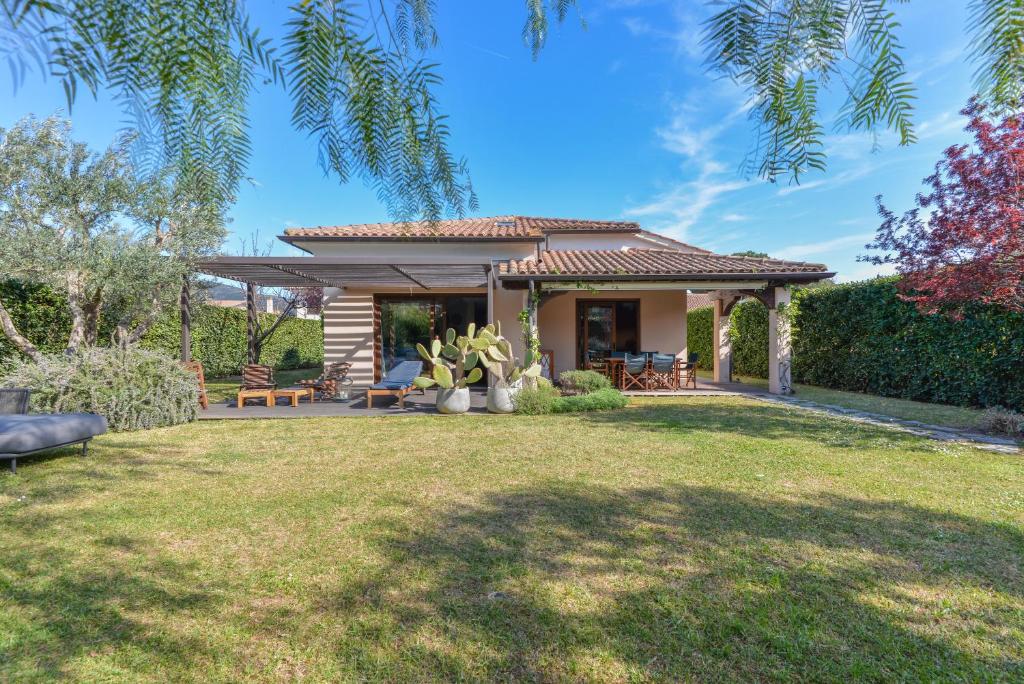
{"points": [[780, 345], [722, 346], [686, 304]]}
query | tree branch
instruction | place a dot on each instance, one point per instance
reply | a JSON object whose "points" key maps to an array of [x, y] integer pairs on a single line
{"points": [[16, 338]]}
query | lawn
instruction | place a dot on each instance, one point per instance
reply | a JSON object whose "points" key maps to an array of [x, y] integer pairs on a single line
{"points": [[933, 414], [703, 539]]}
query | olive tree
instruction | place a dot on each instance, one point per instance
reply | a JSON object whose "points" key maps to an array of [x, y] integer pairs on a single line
{"points": [[115, 243]]}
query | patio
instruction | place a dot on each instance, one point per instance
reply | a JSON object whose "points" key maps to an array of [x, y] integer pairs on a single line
{"points": [[416, 404]]}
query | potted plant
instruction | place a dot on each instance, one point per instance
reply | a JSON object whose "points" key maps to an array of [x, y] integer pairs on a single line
{"points": [[500, 362], [454, 368]]}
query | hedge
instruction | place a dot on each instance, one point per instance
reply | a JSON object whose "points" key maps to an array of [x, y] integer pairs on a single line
{"points": [[218, 334], [700, 327], [862, 337]]}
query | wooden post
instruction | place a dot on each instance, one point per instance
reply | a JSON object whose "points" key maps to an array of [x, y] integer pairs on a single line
{"points": [[250, 323], [185, 306]]}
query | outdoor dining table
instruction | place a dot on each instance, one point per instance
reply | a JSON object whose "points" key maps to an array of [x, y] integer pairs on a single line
{"points": [[615, 364]]}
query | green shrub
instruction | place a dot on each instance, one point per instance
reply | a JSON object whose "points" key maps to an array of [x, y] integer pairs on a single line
{"points": [[538, 401], [700, 326], [218, 333], [748, 332], [583, 381], [132, 388], [604, 399]]}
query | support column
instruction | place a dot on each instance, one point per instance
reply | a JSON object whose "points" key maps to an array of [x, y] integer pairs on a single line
{"points": [[185, 307], [722, 345], [250, 323], [780, 345], [684, 353]]}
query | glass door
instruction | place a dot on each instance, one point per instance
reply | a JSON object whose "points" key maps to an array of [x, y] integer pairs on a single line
{"points": [[406, 321], [605, 328]]}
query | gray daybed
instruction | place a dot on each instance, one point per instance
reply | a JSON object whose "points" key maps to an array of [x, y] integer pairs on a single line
{"points": [[23, 433]]}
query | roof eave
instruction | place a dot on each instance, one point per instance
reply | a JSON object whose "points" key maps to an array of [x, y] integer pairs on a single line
{"points": [[790, 277], [292, 239]]}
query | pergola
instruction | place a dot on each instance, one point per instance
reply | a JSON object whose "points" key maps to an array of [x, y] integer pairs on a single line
{"points": [[726, 279]]}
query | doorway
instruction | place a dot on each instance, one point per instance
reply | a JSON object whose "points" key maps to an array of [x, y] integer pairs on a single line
{"points": [[406, 321], [605, 327]]}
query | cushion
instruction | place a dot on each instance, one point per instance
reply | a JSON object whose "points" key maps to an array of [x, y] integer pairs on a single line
{"points": [[35, 431], [401, 376]]}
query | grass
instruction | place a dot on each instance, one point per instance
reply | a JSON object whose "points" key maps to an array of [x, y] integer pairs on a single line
{"points": [[219, 389], [698, 539], [924, 412]]}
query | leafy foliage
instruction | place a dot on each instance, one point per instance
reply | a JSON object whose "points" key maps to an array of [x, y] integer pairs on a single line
{"points": [[89, 226], [184, 70], [605, 399], [964, 242], [862, 337], [134, 389], [218, 334], [583, 381], [535, 401], [700, 325]]}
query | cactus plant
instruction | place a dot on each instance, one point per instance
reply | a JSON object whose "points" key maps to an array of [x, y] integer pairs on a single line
{"points": [[453, 361], [499, 360]]}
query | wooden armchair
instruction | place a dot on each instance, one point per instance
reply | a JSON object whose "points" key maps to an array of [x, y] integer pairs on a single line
{"points": [[256, 376], [197, 368], [663, 373]]}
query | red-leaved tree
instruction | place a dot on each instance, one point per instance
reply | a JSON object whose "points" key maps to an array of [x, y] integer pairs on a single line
{"points": [[964, 241]]}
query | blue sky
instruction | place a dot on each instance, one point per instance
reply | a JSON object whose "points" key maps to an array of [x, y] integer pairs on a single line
{"points": [[617, 120]]}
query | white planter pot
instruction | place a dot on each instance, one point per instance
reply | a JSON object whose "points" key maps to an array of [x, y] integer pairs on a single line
{"points": [[452, 400], [501, 399]]}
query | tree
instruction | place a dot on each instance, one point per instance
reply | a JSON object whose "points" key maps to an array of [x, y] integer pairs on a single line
{"points": [[964, 241], [88, 226], [361, 85]]}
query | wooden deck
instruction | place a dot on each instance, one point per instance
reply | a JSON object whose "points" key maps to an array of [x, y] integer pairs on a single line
{"points": [[415, 404]]}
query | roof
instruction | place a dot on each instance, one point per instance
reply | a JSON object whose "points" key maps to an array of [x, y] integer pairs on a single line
{"points": [[698, 300], [527, 228], [663, 264]]}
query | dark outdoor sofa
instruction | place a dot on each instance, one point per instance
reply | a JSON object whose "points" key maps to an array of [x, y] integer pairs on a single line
{"points": [[23, 433]]}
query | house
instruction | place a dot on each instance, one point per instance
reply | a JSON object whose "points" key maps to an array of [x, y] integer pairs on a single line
{"points": [[587, 287]]}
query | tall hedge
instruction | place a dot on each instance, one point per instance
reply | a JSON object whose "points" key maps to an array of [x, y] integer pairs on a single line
{"points": [[700, 325], [218, 334], [862, 337]]}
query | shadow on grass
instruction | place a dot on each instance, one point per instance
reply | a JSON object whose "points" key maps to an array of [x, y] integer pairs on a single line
{"points": [[60, 610], [682, 583], [748, 418]]}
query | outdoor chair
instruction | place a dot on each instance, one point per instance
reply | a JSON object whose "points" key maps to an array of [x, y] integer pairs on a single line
{"points": [[397, 383], [327, 383], [634, 372], [257, 383], [662, 373], [23, 433], [197, 368], [688, 371]]}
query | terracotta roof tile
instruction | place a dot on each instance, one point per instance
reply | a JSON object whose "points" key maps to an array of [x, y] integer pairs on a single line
{"points": [[648, 262], [487, 228]]}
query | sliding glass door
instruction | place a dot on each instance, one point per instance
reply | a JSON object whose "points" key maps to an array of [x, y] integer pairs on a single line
{"points": [[406, 321], [606, 327]]}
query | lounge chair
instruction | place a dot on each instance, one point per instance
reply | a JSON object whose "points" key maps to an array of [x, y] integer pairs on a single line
{"points": [[327, 383], [22, 433], [397, 383]]}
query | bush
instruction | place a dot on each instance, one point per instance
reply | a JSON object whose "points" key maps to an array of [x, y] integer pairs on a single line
{"points": [[604, 399], [748, 332], [583, 381], [700, 325], [132, 388], [999, 421], [536, 401]]}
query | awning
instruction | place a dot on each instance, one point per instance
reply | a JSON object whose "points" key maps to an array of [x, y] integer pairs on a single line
{"points": [[320, 271]]}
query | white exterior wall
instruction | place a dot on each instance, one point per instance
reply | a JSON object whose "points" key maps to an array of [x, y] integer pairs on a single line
{"points": [[348, 332]]}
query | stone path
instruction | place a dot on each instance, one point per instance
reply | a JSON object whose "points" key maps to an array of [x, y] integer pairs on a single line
{"points": [[945, 434]]}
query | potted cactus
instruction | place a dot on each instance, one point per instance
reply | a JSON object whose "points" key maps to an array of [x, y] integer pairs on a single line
{"points": [[500, 362], [454, 368]]}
